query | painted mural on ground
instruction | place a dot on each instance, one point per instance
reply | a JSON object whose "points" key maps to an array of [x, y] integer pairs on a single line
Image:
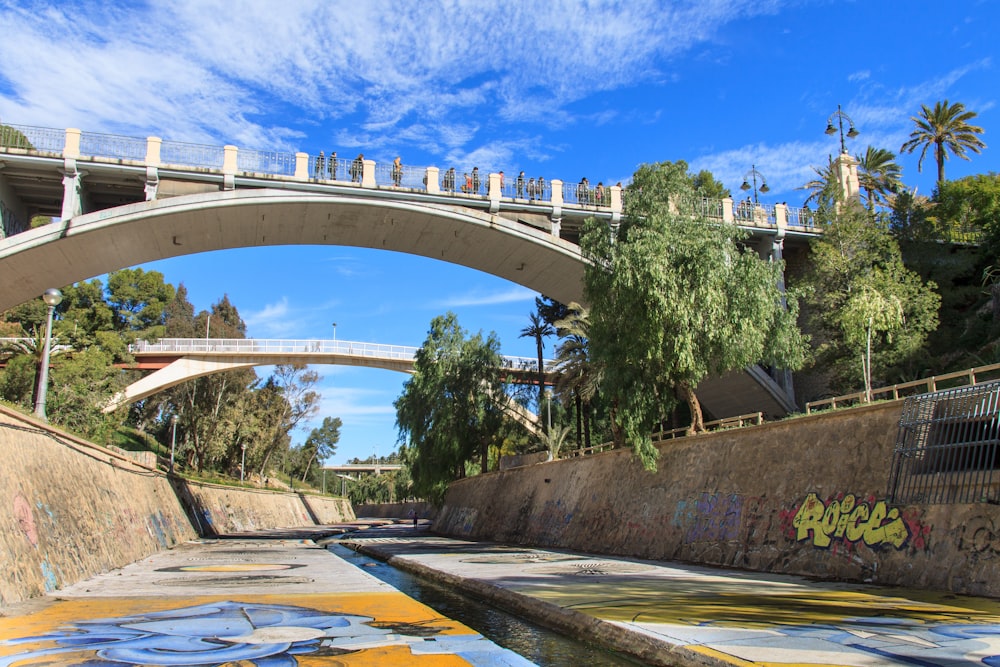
{"points": [[390, 629], [768, 623], [849, 521]]}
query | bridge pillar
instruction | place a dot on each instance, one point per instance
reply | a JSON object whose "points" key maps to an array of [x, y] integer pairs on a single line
{"points": [[727, 209], [494, 192], [557, 204], [72, 196], [302, 166], [368, 174], [847, 175], [432, 181], [153, 145], [71, 149], [229, 163]]}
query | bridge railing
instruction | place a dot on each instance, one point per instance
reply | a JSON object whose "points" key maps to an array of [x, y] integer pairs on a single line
{"points": [[303, 166], [112, 146], [266, 162], [302, 346], [181, 154], [42, 139]]}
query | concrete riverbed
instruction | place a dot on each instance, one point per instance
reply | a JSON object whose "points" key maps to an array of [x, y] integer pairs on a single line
{"points": [[280, 598]]}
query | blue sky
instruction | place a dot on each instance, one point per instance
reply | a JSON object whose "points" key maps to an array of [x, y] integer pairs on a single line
{"points": [[559, 89]]}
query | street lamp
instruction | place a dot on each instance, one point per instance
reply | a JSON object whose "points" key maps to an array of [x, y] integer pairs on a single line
{"points": [[840, 116], [173, 440], [52, 298], [548, 403], [753, 174], [243, 461], [334, 332]]}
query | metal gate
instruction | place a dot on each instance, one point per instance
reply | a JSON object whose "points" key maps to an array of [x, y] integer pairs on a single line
{"points": [[946, 448]]}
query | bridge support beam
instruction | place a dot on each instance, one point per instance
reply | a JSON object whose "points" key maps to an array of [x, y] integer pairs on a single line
{"points": [[181, 370]]}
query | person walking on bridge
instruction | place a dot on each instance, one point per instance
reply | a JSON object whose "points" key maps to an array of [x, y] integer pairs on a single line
{"points": [[519, 184], [475, 180], [397, 171], [320, 165], [357, 168]]}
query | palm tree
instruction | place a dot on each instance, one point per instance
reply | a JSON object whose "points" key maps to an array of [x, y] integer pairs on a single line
{"points": [[579, 378], [879, 176], [824, 190], [539, 330], [947, 128]]}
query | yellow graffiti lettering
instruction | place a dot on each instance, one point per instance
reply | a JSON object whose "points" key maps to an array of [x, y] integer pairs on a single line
{"points": [[846, 507], [809, 518], [850, 520], [857, 523]]}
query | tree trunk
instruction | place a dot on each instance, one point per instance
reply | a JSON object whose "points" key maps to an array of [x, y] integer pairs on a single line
{"points": [[578, 402], [697, 420], [939, 154]]}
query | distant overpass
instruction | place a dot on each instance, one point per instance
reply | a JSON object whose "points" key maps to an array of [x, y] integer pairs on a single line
{"points": [[176, 360]]}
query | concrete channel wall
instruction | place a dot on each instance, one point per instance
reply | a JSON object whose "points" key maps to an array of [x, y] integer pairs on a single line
{"points": [[802, 496], [70, 509]]}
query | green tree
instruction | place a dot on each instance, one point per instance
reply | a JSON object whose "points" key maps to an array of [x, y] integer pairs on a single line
{"points": [[705, 185], [824, 190], [945, 127], [860, 288], [675, 298], [879, 176], [539, 329], [139, 299], [322, 442], [969, 210], [450, 407]]}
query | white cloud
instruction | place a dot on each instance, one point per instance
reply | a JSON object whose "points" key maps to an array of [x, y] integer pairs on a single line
{"points": [[511, 295]]}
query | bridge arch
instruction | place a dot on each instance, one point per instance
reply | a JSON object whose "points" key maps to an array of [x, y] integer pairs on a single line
{"points": [[93, 244]]}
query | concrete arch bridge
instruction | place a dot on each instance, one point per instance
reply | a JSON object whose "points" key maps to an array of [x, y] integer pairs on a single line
{"points": [[121, 201]]}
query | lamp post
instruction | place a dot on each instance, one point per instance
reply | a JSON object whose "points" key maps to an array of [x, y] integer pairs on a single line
{"points": [[840, 116], [173, 440], [548, 404], [243, 461], [52, 298], [334, 332], [753, 174]]}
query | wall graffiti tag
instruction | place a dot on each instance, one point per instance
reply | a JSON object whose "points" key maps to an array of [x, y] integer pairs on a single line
{"points": [[711, 517], [870, 522]]}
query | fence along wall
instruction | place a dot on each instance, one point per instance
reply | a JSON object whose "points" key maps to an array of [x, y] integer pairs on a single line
{"points": [[70, 509], [803, 496]]}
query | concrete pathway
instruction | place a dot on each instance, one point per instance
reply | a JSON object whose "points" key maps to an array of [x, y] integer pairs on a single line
{"points": [[274, 600], [667, 613]]}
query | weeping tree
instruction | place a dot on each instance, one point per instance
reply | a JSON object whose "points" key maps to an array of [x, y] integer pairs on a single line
{"points": [[674, 298], [451, 407]]}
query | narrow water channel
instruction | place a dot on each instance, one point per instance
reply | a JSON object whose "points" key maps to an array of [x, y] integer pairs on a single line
{"points": [[537, 644]]}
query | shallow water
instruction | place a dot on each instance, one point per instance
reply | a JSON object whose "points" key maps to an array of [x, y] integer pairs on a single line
{"points": [[540, 645]]}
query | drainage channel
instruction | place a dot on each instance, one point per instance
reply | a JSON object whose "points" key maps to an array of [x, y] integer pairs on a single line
{"points": [[539, 645]]}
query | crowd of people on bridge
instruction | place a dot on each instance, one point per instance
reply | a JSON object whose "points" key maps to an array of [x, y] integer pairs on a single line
{"points": [[531, 188]]}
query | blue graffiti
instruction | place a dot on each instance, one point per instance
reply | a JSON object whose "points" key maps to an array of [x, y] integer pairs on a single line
{"points": [[258, 634]]}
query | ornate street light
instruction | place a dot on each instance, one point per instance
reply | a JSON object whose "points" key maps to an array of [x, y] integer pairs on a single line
{"points": [[753, 174], [173, 440], [840, 116], [52, 298]]}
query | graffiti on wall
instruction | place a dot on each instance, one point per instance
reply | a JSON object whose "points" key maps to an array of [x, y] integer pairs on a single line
{"points": [[714, 517], [10, 223], [852, 521]]}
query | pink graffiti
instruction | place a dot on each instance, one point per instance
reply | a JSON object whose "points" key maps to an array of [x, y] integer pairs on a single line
{"points": [[25, 519]]}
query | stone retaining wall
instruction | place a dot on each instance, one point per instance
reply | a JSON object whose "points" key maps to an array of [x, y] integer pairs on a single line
{"points": [[424, 510], [802, 496], [70, 509]]}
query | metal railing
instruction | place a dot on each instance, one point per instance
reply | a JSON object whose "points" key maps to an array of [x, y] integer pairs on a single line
{"points": [[42, 139], [302, 346], [948, 447], [180, 154], [968, 377], [266, 162], [112, 146]]}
